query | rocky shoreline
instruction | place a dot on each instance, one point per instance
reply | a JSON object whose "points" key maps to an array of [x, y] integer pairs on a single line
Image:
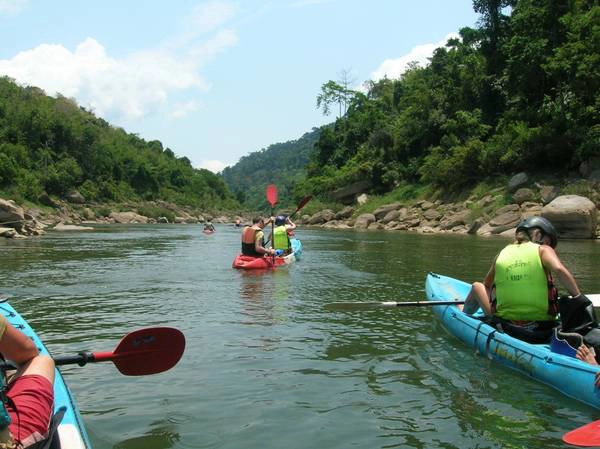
{"points": [[575, 216]]}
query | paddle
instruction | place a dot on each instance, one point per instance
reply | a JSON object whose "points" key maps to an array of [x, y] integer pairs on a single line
{"points": [[272, 199], [585, 436], [370, 305], [145, 351]]}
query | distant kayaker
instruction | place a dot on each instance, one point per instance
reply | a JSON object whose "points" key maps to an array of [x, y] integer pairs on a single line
{"points": [[29, 396], [253, 239], [209, 227], [281, 234], [238, 223], [518, 291]]}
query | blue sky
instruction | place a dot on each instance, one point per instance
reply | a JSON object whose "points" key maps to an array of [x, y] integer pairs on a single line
{"points": [[215, 80]]}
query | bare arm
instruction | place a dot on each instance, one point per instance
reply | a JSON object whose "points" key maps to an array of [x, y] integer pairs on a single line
{"points": [[551, 261], [16, 346]]}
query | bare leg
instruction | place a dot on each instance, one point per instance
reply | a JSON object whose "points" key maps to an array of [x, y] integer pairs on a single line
{"points": [[41, 365], [478, 297]]}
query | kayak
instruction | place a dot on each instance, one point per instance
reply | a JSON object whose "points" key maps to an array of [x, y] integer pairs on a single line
{"points": [[208, 231], [71, 430], [267, 262], [565, 373]]}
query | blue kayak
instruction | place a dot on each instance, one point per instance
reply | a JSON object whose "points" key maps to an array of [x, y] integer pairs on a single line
{"points": [[71, 430], [568, 375]]}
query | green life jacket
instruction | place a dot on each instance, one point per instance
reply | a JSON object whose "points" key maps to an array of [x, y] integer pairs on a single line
{"points": [[521, 284], [280, 238]]}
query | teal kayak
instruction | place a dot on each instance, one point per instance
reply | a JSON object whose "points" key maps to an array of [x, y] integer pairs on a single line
{"points": [[570, 376], [71, 430]]}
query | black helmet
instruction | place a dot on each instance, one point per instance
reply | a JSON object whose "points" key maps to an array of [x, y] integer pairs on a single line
{"points": [[280, 220], [541, 223]]}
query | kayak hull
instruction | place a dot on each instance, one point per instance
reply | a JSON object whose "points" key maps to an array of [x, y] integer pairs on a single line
{"points": [[71, 430], [566, 374], [269, 262]]}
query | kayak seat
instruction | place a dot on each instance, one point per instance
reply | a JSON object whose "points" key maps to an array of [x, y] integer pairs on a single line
{"points": [[542, 334], [565, 343]]}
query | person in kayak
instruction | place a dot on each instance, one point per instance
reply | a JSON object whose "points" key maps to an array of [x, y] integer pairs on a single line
{"points": [[28, 394], [518, 291], [253, 239], [209, 227], [281, 234]]}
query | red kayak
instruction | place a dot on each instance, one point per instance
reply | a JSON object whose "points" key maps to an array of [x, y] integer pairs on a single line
{"points": [[208, 231], [266, 262]]}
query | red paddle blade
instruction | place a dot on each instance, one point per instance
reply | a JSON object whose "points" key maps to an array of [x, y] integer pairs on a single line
{"points": [[585, 436], [146, 351], [271, 192]]}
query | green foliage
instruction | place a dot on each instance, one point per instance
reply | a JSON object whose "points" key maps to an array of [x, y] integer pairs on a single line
{"points": [[156, 212], [519, 93], [281, 164], [52, 145]]}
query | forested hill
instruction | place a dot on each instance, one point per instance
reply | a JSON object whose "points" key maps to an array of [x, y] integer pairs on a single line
{"points": [[52, 146], [521, 92], [282, 164]]}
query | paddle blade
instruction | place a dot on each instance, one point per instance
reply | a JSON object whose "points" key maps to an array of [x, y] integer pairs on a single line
{"points": [[271, 193], [148, 351], [585, 436]]}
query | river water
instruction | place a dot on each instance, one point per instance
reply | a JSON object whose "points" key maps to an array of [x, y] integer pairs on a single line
{"points": [[266, 366]]}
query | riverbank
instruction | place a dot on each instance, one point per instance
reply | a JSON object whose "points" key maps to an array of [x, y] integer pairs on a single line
{"points": [[496, 212]]}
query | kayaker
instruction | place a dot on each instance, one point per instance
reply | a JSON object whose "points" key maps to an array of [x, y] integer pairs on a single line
{"points": [[280, 236], [253, 239], [29, 395], [518, 291], [209, 227]]}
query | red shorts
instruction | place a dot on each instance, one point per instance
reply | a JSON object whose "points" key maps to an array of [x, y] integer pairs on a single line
{"points": [[33, 397]]}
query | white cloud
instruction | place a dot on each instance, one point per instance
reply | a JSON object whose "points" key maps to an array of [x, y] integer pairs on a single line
{"points": [[207, 17], [132, 86], [11, 7], [183, 109], [213, 165], [393, 68]]}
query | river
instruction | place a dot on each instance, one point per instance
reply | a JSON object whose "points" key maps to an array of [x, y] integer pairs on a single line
{"points": [[266, 366]]}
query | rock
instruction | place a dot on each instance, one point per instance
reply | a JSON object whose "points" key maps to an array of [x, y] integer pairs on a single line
{"points": [[381, 212], [595, 177], [478, 223], [336, 224], [426, 205], [345, 213], [508, 208], [8, 232], [322, 217], [162, 220], [363, 221], [529, 209], [128, 217], [45, 199], [432, 215], [66, 227], [390, 216], [517, 181], [456, 219], [75, 197], [88, 214], [548, 193], [362, 199], [376, 226], [523, 194], [573, 216], [11, 214], [506, 219]]}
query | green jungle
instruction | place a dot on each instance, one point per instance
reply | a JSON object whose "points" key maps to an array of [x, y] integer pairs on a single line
{"points": [[520, 92]]}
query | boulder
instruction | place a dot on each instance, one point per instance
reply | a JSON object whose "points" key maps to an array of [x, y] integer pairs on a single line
{"points": [[75, 197], [128, 217], [573, 216], [345, 213], [46, 200], [523, 194], [432, 215], [363, 221], [67, 227], [457, 219], [322, 217], [381, 212], [517, 181], [11, 214], [362, 199], [391, 216], [548, 193], [505, 219], [8, 232]]}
